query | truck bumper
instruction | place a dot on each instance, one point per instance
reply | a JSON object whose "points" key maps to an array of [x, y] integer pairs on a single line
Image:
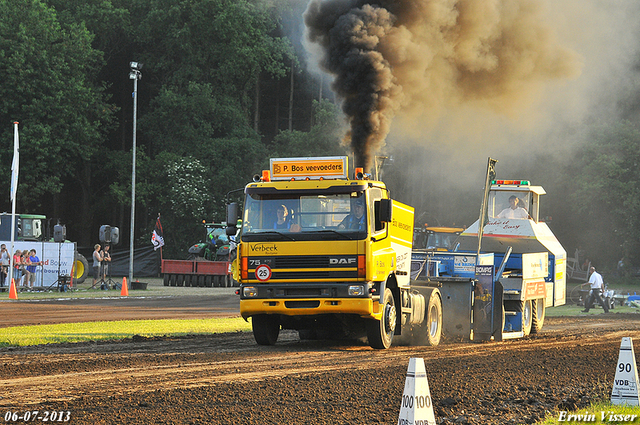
{"points": [[364, 307]]}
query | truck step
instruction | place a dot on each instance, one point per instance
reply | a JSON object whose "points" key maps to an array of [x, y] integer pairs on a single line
{"points": [[512, 335]]}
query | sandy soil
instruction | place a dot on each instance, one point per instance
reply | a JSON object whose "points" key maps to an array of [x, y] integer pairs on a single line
{"points": [[228, 379]]}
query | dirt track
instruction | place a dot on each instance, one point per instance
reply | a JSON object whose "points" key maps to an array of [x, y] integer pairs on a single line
{"points": [[227, 379]]}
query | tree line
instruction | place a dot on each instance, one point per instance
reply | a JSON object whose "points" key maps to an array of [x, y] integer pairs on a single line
{"points": [[224, 87]]}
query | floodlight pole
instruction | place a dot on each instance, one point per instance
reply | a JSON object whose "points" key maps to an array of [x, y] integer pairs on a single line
{"points": [[134, 75]]}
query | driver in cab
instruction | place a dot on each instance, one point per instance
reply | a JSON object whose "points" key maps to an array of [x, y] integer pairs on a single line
{"points": [[514, 210], [356, 220]]}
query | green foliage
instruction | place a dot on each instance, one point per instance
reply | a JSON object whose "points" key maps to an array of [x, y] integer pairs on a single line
{"points": [[47, 74], [607, 193], [322, 140], [185, 121], [226, 42]]}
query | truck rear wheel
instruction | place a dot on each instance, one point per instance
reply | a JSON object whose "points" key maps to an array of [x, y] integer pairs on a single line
{"points": [[380, 332], [266, 329], [538, 315], [433, 319], [527, 317]]}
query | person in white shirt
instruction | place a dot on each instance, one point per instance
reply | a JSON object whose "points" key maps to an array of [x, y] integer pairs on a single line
{"points": [[4, 261], [514, 210], [597, 287]]}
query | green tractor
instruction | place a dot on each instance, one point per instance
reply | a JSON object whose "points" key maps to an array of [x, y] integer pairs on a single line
{"points": [[216, 247]]}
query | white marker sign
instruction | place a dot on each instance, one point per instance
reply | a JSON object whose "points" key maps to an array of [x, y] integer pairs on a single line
{"points": [[417, 406], [626, 387]]}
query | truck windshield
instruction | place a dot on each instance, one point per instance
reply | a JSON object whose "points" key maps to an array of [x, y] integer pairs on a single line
{"points": [[305, 217]]}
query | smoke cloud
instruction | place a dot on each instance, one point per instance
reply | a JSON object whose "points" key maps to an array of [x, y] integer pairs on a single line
{"points": [[419, 58]]}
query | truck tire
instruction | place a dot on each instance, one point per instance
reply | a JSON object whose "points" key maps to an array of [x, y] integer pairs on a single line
{"points": [[208, 281], [165, 279], [380, 332], [266, 329], [527, 317], [308, 334], [80, 269], [432, 325], [538, 313]]}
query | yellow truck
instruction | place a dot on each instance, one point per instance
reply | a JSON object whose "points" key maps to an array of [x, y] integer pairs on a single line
{"points": [[329, 255]]}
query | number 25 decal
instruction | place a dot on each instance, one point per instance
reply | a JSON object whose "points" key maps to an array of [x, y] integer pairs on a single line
{"points": [[263, 273]]}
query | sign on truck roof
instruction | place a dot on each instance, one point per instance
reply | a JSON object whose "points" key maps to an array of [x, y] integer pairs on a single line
{"points": [[330, 167]]}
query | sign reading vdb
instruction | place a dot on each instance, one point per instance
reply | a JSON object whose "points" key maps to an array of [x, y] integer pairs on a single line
{"points": [[330, 167]]}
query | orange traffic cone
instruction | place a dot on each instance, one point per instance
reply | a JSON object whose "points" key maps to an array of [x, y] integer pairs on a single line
{"points": [[125, 290], [13, 294]]}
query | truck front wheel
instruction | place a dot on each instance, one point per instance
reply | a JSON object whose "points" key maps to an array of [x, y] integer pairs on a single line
{"points": [[380, 332], [266, 329]]}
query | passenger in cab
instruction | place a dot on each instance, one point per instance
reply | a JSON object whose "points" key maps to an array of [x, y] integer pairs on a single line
{"points": [[356, 220]]}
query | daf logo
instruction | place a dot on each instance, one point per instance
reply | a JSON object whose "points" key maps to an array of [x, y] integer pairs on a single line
{"points": [[333, 261]]}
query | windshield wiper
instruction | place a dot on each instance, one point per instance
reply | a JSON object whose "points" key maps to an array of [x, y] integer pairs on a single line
{"points": [[273, 232], [334, 232]]}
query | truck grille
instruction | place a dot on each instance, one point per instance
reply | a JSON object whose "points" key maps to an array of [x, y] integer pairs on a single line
{"points": [[301, 262], [332, 267]]}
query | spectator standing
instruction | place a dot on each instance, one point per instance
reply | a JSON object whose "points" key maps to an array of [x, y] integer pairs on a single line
{"points": [[4, 264], [597, 288], [106, 260], [17, 261], [97, 259], [31, 268], [24, 267]]}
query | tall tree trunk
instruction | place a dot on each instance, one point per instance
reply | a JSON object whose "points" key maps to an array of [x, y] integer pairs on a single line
{"points": [[256, 113], [277, 106], [291, 100]]}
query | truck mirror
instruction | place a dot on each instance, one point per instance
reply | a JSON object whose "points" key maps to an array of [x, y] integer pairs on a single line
{"points": [[232, 218], [385, 210]]}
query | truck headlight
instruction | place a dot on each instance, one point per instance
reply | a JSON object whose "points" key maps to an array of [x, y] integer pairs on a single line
{"points": [[356, 290], [249, 292]]}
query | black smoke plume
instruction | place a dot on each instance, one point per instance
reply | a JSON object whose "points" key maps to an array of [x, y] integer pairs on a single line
{"points": [[419, 57]]}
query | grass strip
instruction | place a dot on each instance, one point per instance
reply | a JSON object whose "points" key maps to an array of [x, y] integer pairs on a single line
{"points": [[98, 331]]}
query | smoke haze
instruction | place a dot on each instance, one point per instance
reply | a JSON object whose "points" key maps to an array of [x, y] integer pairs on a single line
{"points": [[420, 59]]}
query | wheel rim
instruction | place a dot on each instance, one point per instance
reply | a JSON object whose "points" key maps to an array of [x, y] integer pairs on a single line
{"points": [[433, 321], [390, 318]]}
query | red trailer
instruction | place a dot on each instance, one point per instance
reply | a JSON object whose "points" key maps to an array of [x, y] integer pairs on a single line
{"points": [[199, 272]]}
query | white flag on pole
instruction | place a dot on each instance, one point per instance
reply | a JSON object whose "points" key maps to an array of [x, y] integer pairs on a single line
{"points": [[16, 162]]}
